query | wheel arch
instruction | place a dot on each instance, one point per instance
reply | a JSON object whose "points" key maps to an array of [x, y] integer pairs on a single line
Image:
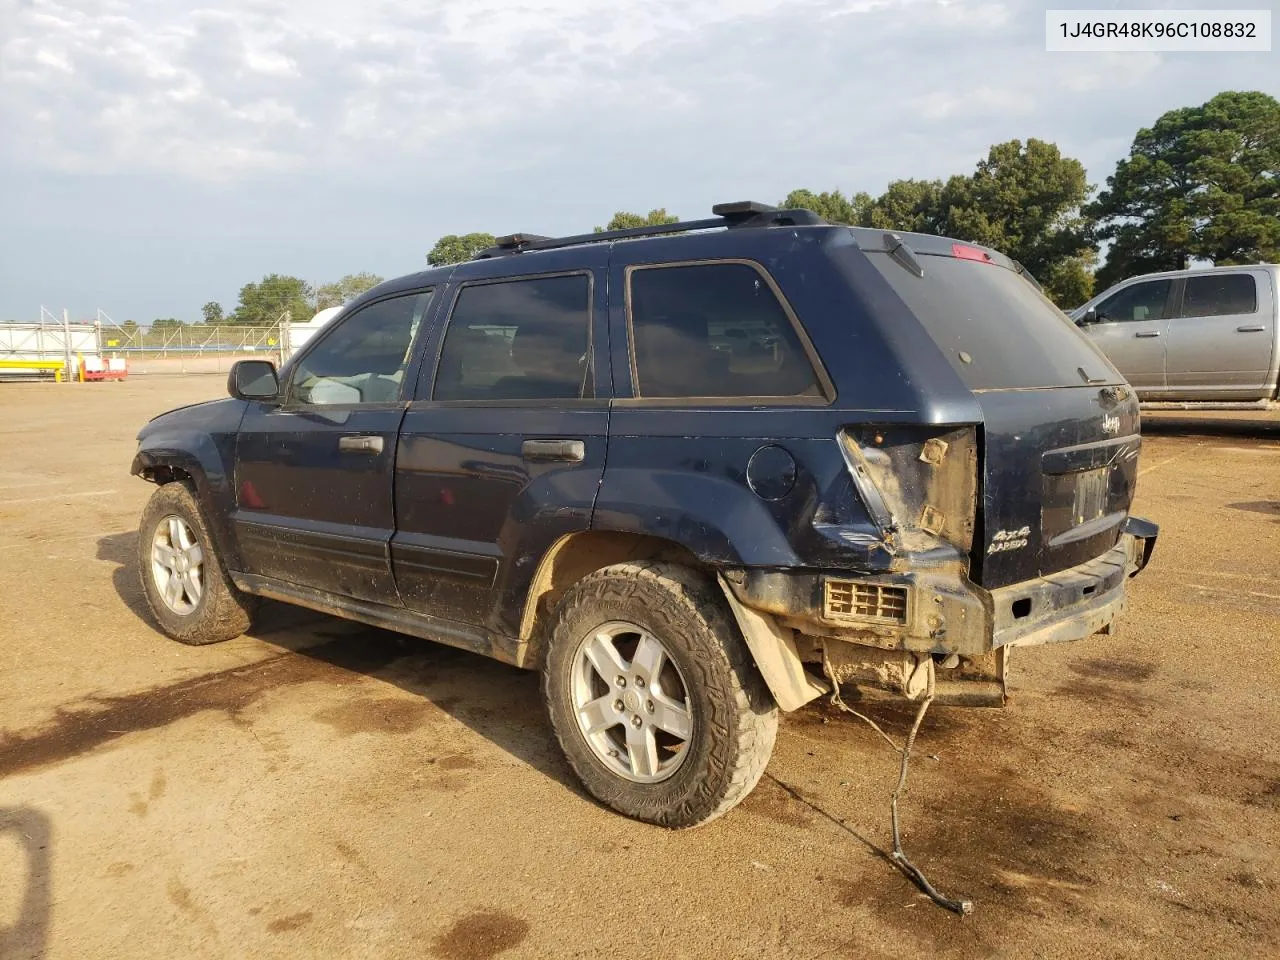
{"points": [[574, 556], [203, 473]]}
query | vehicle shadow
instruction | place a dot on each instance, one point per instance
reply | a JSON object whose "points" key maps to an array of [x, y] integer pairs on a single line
{"points": [[501, 703], [1210, 426], [33, 833]]}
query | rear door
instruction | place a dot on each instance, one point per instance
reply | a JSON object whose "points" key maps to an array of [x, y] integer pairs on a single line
{"points": [[1132, 329], [314, 473], [1222, 336], [503, 448], [1060, 428]]}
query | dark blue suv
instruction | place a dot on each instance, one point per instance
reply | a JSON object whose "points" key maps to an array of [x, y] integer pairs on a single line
{"points": [[693, 473]]}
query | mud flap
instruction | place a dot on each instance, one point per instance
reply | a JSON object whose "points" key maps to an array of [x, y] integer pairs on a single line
{"points": [[774, 650]]}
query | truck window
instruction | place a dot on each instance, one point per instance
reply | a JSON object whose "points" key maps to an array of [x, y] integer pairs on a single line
{"points": [[1142, 301], [1220, 295], [713, 330], [525, 339]]}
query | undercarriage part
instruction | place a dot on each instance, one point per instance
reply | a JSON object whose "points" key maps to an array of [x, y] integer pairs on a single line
{"points": [[961, 681], [899, 856]]}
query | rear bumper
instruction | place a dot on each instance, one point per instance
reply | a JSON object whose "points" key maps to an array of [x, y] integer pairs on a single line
{"points": [[945, 613], [1072, 604]]}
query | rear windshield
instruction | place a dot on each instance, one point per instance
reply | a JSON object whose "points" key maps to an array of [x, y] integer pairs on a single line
{"points": [[997, 329]]}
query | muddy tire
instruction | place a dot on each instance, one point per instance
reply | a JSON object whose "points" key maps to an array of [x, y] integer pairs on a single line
{"points": [[654, 696], [189, 593]]}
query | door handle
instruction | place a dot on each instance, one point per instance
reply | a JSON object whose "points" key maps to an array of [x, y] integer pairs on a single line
{"points": [[572, 451], [360, 445], [1251, 328], [1144, 334]]}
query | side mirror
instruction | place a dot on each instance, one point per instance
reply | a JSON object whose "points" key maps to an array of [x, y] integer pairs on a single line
{"points": [[253, 380], [1088, 317]]}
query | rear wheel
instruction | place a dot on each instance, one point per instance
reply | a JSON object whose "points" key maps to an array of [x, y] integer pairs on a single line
{"points": [[654, 697], [186, 588]]}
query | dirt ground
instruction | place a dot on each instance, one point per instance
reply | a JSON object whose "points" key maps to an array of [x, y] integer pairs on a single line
{"points": [[320, 789]]}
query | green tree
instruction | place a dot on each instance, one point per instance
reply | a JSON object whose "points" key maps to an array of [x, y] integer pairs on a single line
{"points": [[624, 220], [1026, 201], [455, 248], [832, 206], [166, 323], [262, 304], [212, 313], [1204, 183], [346, 289], [914, 206]]}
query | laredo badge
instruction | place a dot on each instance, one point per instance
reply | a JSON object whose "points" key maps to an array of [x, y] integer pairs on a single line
{"points": [[1006, 540]]}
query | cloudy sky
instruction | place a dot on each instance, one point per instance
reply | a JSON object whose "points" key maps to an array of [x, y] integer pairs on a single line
{"points": [[154, 157]]}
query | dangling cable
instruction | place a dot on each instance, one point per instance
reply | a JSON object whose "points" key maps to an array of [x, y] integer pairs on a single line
{"points": [[962, 907]]}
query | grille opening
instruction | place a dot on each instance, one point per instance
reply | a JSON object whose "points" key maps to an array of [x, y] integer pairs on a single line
{"points": [[873, 602], [1088, 590], [1021, 608]]}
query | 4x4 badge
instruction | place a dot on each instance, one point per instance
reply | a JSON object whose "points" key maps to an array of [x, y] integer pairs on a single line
{"points": [[1006, 540]]}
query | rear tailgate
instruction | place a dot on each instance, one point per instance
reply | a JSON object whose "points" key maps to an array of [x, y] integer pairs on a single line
{"points": [[1060, 427]]}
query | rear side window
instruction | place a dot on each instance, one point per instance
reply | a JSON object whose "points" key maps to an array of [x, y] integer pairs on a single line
{"points": [[997, 330], [518, 340], [1142, 301], [714, 330], [1220, 295]]}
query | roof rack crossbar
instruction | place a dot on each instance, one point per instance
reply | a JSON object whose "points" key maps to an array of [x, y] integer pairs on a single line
{"points": [[746, 213]]}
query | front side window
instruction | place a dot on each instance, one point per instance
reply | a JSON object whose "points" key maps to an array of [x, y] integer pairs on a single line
{"points": [[714, 330], [1220, 295], [1142, 301], [364, 359], [524, 339]]}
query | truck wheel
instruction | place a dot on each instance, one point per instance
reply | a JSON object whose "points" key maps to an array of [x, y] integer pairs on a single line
{"points": [[654, 697], [190, 595]]}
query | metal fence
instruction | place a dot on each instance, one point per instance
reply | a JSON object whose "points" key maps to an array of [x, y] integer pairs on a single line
{"points": [[164, 348], [193, 342]]}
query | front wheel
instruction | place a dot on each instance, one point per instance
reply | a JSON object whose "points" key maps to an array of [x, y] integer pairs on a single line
{"points": [[190, 595], [654, 697]]}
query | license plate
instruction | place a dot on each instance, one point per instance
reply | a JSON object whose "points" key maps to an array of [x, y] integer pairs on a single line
{"points": [[1090, 499]]}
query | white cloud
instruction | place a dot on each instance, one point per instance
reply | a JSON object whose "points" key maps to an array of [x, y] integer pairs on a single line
{"points": [[260, 86], [144, 138]]}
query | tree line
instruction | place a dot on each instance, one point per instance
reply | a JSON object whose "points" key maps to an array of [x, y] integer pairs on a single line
{"points": [[1203, 183], [264, 303]]}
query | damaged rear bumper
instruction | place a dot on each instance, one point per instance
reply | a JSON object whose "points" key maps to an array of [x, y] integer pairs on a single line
{"points": [[939, 611]]}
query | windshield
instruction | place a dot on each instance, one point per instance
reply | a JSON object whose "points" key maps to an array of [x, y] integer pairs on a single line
{"points": [[997, 330]]}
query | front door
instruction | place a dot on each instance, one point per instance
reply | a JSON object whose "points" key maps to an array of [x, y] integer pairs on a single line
{"points": [[1132, 329], [502, 451], [314, 472], [1221, 338]]}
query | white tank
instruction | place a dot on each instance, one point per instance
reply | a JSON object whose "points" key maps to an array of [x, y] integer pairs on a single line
{"points": [[300, 333]]}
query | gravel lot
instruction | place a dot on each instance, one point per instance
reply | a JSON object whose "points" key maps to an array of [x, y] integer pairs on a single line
{"points": [[321, 789]]}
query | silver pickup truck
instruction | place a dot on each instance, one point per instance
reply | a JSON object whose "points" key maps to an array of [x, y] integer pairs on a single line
{"points": [[1192, 335]]}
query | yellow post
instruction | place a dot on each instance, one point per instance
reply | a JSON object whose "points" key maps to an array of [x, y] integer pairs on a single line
{"points": [[80, 366]]}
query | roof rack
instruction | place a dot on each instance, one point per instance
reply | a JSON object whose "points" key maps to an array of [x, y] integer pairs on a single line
{"points": [[742, 214]]}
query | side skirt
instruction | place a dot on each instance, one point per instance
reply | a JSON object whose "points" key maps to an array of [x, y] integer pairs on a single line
{"points": [[436, 629]]}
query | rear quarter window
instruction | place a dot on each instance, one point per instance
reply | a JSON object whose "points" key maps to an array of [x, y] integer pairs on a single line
{"points": [[997, 330], [1220, 295], [714, 330]]}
